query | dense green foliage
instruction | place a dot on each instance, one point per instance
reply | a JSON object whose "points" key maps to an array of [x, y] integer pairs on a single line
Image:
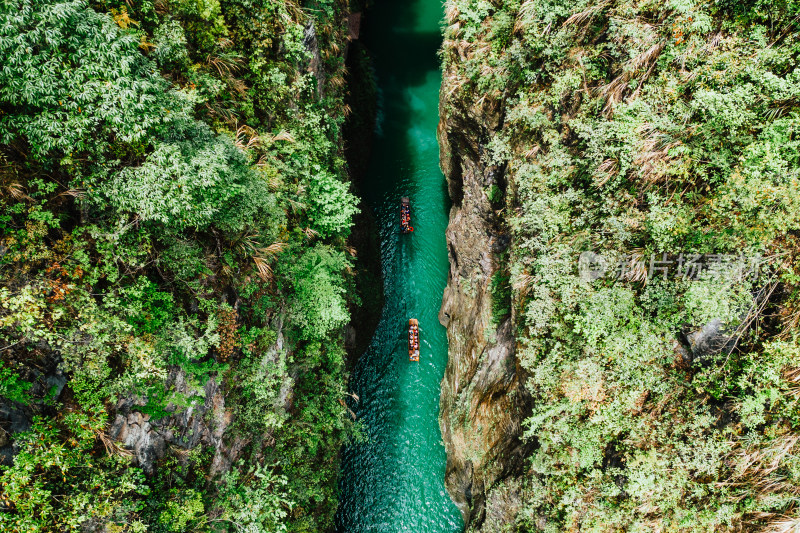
{"points": [[175, 212], [632, 129]]}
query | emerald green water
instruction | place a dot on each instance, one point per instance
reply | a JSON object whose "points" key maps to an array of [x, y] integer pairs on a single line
{"points": [[395, 482]]}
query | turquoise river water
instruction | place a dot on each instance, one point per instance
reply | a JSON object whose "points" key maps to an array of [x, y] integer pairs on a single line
{"points": [[395, 481]]}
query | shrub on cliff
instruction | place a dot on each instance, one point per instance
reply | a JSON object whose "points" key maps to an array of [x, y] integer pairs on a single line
{"points": [[157, 161]]}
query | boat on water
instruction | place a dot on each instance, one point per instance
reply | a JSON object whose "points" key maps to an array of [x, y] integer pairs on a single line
{"points": [[405, 215], [413, 339]]}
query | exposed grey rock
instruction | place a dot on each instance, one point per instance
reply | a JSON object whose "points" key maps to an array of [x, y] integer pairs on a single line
{"points": [[315, 65], [202, 422], [56, 383], [503, 504], [711, 339], [16, 416]]}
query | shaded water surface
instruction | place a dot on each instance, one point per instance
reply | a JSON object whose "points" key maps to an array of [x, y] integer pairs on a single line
{"points": [[395, 482]]}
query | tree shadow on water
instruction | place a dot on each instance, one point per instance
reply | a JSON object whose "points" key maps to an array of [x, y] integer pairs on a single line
{"points": [[404, 54]]}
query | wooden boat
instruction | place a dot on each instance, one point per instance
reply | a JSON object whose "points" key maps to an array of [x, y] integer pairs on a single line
{"points": [[413, 339], [405, 215]]}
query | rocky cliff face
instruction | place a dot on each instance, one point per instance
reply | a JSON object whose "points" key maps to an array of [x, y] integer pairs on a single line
{"points": [[483, 396], [203, 422]]}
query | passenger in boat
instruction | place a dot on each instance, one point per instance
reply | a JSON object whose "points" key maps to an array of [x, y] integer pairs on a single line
{"points": [[405, 217]]}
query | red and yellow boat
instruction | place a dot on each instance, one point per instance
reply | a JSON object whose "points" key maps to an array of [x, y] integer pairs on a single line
{"points": [[405, 215], [413, 339]]}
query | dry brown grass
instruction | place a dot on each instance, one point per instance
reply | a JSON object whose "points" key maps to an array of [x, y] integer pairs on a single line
{"points": [[238, 86], [337, 81], [790, 320], [350, 411], [525, 16], [311, 233], [74, 193], [455, 82], [218, 109], [9, 176], [18, 192], [758, 464], [605, 171], [111, 446], [792, 377], [585, 16], [451, 12], [246, 138], [652, 158], [783, 524], [264, 257], [282, 136], [634, 266], [758, 471], [225, 64], [295, 203], [641, 67], [523, 283]]}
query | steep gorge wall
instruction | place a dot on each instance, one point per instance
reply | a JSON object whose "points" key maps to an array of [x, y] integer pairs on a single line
{"points": [[601, 128], [483, 397]]}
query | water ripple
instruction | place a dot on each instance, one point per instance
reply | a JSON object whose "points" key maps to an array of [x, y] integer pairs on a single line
{"points": [[395, 481]]}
